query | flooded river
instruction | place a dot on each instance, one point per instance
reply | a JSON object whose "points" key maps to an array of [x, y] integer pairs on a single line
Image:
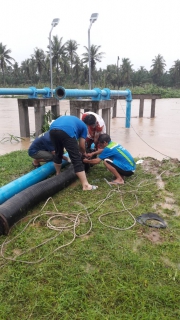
{"points": [[158, 137]]}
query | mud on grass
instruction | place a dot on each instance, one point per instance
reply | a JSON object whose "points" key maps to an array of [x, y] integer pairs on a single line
{"points": [[106, 272]]}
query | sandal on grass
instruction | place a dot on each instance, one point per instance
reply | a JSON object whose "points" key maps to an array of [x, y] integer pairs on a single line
{"points": [[94, 187]]}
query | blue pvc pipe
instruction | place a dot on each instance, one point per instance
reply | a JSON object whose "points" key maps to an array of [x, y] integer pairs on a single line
{"points": [[96, 93], [128, 109], [29, 179], [32, 92], [60, 93]]}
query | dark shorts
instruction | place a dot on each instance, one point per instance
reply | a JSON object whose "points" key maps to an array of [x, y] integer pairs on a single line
{"points": [[45, 155], [60, 139], [119, 170]]}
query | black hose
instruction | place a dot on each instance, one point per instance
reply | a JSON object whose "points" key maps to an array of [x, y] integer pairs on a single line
{"points": [[16, 207]]}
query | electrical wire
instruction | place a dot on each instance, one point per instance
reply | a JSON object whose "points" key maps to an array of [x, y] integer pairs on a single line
{"points": [[141, 137]]}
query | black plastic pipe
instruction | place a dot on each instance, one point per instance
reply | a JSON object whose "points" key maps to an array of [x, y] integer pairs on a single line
{"points": [[16, 207]]}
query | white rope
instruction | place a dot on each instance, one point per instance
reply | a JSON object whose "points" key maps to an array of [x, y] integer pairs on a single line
{"points": [[74, 220]]}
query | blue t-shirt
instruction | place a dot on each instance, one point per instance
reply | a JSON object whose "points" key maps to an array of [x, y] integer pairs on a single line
{"points": [[119, 156], [72, 125], [42, 143]]}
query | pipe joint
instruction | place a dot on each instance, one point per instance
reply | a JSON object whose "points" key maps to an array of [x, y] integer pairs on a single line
{"points": [[33, 95], [108, 94], [129, 96], [47, 93], [98, 96]]}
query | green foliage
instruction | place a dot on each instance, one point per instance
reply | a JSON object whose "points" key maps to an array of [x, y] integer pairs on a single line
{"points": [[153, 89], [71, 71], [107, 273], [11, 138], [48, 117]]}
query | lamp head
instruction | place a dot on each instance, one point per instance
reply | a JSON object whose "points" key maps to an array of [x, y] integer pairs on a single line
{"points": [[55, 22], [94, 17]]}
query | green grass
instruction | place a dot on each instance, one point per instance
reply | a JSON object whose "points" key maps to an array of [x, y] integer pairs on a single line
{"points": [[106, 273]]}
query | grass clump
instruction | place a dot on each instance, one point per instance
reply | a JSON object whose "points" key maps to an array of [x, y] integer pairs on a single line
{"points": [[113, 268]]}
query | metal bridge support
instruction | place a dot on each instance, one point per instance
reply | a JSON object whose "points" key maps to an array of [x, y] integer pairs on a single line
{"points": [[39, 113], [94, 106]]}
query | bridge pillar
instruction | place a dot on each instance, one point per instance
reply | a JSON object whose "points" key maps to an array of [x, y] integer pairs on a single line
{"points": [[39, 113], [153, 102]]}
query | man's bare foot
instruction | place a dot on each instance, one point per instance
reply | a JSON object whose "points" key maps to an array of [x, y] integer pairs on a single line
{"points": [[89, 187]]}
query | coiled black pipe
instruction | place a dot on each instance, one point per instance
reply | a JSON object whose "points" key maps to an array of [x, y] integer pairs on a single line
{"points": [[16, 207]]}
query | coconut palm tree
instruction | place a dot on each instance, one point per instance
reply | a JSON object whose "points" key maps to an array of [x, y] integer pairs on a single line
{"points": [[70, 47], [126, 71], [77, 69], [16, 73], [175, 73], [58, 53], [158, 68], [65, 71], [38, 58], [111, 75], [141, 76], [26, 69], [5, 58], [95, 56]]}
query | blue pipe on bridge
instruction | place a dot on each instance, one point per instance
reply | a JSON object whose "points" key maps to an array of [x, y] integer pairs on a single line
{"points": [[97, 94], [60, 93], [32, 92]]}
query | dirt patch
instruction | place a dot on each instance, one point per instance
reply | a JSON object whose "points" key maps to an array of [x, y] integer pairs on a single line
{"points": [[154, 236], [151, 165], [170, 264], [155, 167], [17, 252]]}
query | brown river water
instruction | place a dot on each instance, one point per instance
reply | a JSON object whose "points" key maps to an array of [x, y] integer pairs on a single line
{"points": [[158, 137]]}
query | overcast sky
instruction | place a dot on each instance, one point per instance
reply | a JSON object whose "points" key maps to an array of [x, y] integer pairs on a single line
{"points": [[134, 29]]}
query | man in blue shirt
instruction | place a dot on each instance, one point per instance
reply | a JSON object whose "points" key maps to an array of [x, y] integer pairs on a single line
{"points": [[115, 157], [64, 133], [42, 150]]}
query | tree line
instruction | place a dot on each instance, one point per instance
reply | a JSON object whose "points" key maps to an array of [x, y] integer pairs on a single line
{"points": [[71, 71]]}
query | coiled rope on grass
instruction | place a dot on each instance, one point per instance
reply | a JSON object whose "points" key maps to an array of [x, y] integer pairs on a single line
{"points": [[74, 220]]}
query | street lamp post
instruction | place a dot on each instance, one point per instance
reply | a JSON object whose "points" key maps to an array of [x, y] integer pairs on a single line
{"points": [[53, 24], [93, 18]]}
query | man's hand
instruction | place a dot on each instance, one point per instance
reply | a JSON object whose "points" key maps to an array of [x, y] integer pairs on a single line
{"points": [[89, 155], [85, 160]]}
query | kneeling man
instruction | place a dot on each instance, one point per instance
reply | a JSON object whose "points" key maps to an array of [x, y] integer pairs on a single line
{"points": [[115, 158]]}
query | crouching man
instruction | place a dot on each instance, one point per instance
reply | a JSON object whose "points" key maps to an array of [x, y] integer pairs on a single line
{"points": [[115, 158]]}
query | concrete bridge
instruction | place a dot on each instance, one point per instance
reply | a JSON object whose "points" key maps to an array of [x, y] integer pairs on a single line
{"points": [[76, 105]]}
